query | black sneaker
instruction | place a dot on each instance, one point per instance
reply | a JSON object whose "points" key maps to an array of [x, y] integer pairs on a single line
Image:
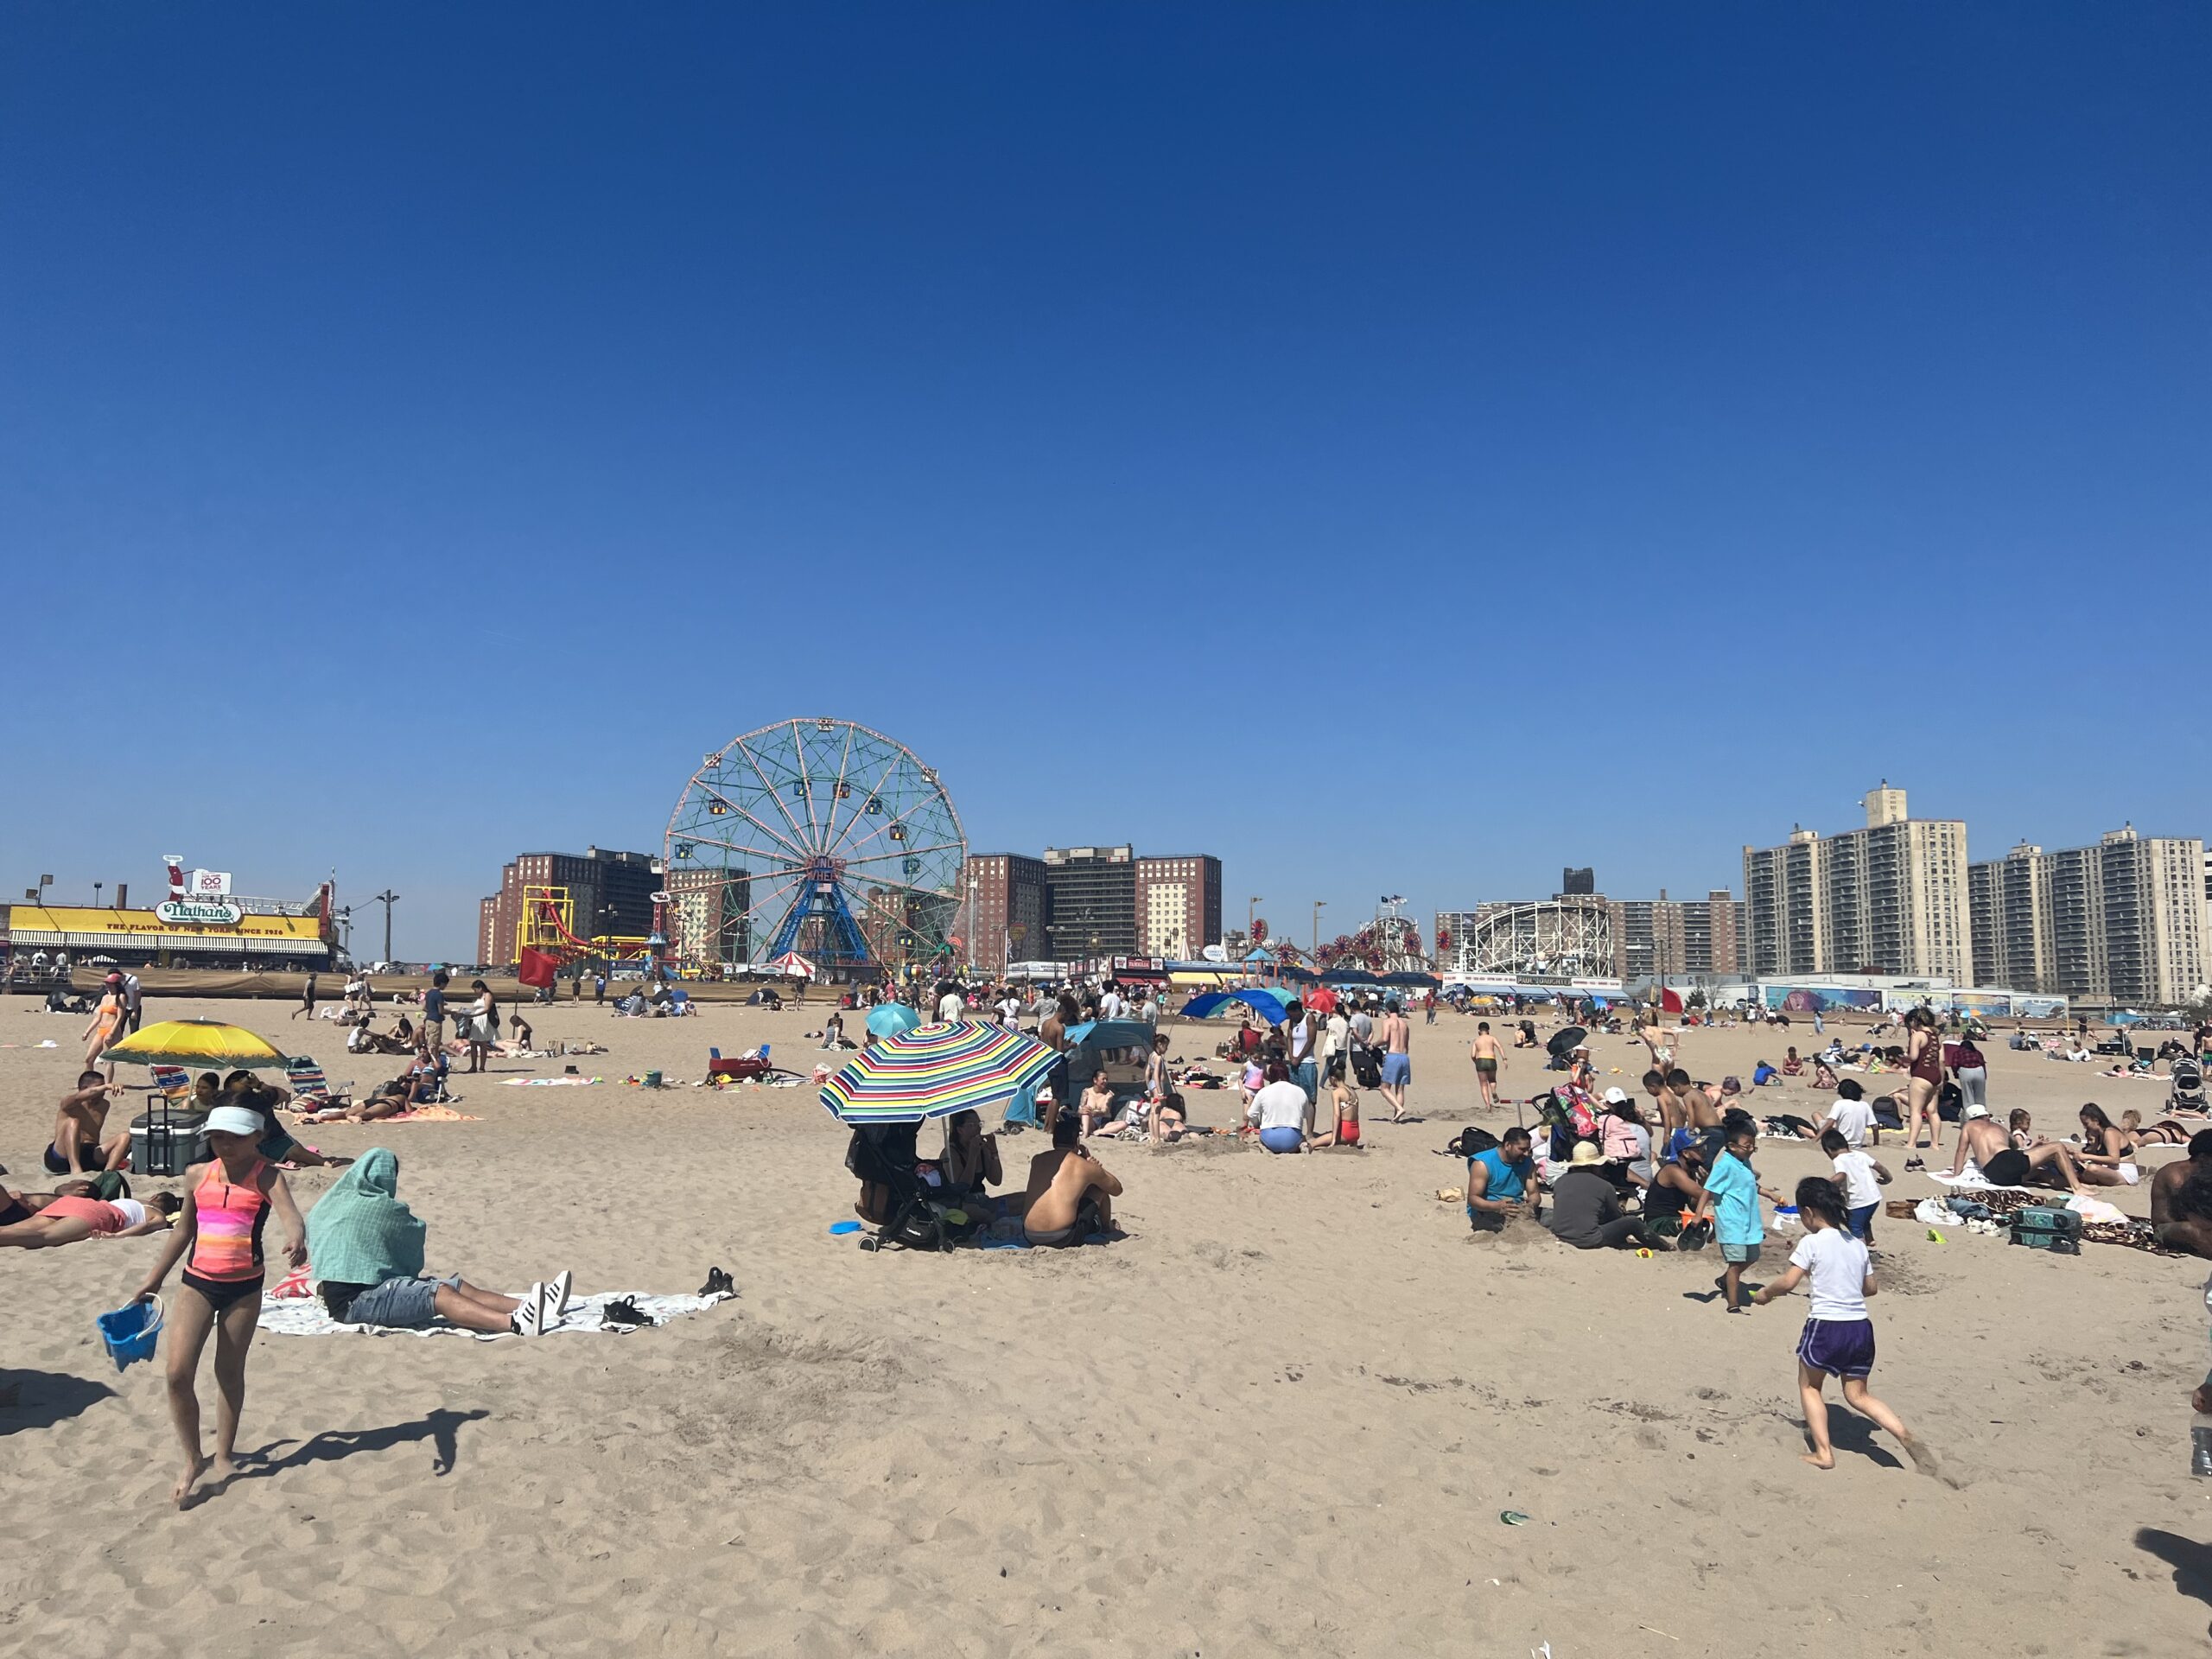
{"points": [[718, 1284]]}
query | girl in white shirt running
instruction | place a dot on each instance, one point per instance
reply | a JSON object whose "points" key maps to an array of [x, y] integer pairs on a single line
{"points": [[1839, 1337]]}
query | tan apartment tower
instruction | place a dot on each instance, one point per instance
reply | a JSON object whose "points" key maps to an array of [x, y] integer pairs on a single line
{"points": [[1889, 897]]}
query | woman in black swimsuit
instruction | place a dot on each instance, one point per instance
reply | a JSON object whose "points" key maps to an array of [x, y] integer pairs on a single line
{"points": [[2166, 1133]]}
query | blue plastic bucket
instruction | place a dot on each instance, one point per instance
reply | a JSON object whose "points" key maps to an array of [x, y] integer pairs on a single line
{"points": [[130, 1332]]}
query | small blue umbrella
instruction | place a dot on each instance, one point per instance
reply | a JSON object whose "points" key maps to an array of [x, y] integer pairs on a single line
{"points": [[891, 1018], [1270, 1003]]}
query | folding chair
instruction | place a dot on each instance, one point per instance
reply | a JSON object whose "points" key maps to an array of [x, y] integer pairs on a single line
{"points": [[311, 1089]]}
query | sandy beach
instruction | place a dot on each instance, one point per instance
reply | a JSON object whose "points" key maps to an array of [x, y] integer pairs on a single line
{"points": [[1282, 1416]]}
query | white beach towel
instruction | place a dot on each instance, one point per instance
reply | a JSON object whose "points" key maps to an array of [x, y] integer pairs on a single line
{"points": [[305, 1316], [1974, 1183]]}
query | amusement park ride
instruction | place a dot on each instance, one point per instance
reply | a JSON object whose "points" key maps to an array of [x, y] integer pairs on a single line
{"points": [[546, 925], [810, 839], [816, 837], [1390, 943]]}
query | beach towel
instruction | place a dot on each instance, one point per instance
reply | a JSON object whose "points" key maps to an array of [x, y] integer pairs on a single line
{"points": [[412, 1114], [1975, 1184], [289, 1318], [549, 1082], [359, 1232]]}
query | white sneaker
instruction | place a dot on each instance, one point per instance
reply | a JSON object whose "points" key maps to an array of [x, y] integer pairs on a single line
{"points": [[530, 1317], [556, 1297]]}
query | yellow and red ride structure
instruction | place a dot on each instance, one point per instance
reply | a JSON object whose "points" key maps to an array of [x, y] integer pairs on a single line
{"points": [[548, 926]]}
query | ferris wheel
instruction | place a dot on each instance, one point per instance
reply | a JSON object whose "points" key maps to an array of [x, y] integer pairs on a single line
{"points": [[815, 838]]}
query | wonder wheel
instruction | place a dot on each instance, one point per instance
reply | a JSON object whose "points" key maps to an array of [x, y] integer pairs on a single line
{"points": [[817, 839]]}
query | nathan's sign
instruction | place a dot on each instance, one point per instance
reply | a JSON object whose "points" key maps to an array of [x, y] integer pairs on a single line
{"points": [[199, 912]]}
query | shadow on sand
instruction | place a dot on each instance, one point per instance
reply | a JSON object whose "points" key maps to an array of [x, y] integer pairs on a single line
{"points": [[2191, 1562], [335, 1445], [41, 1399]]}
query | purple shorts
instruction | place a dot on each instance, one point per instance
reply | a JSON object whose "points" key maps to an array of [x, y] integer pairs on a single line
{"points": [[1839, 1347]]}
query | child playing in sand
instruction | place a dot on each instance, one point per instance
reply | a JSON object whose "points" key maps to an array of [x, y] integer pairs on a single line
{"points": [[1862, 1178], [1839, 1337], [1735, 1192]]}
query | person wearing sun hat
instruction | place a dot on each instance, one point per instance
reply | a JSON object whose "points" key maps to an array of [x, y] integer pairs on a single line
{"points": [[1626, 1140], [1587, 1210], [218, 1236]]}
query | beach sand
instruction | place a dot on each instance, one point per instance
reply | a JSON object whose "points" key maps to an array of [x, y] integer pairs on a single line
{"points": [[1283, 1416]]}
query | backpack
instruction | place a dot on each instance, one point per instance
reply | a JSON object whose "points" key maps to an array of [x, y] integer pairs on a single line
{"points": [[1367, 1066], [1469, 1142]]}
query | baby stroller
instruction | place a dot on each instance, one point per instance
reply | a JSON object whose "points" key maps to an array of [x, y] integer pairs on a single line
{"points": [[2187, 1087], [894, 1194]]}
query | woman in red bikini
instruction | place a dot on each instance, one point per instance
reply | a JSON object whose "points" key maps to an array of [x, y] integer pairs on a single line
{"points": [[1346, 1133], [217, 1235]]}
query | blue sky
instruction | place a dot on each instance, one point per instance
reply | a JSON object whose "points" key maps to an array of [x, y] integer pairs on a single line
{"points": [[1398, 448]]}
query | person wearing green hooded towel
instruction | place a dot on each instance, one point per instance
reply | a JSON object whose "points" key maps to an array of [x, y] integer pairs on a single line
{"points": [[365, 1252]]}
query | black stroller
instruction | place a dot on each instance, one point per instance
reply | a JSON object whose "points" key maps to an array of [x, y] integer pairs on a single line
{"points": [[2187, 1087], [893, 1195]]}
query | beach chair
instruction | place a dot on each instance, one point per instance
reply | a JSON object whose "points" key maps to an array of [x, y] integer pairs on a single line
{"points": [[172, 1083], [310, 1088]]}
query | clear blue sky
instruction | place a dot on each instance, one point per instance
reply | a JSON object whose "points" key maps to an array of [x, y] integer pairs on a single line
{"points": [[1399, 448]]}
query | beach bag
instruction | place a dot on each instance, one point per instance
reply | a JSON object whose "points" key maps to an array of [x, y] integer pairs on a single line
{"points": [[1367, 1066], [1469, 1142]]}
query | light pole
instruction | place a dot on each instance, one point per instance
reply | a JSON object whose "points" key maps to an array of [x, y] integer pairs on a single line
{"points": [[1316, 957], [97, 886], [387, 899]]}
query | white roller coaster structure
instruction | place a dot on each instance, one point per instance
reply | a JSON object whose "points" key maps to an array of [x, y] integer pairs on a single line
{"points": [[1569, 937]]}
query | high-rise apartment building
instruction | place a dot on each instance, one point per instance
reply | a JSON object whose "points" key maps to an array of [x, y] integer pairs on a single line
{"points": [[1673, 936], [2014, 936], [1785, 900], [1079, 902], [708, 914], [1006, 909], [2122, 921], [1178, 905], [1887, 899], [1091, 902]]}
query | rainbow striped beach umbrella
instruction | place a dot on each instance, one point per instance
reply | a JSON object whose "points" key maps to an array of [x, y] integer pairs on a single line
{"points": [[934, 1071]]}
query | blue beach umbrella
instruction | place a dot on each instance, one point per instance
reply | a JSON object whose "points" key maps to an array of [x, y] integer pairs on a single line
{"points": [[891, 1019], [1270, 1003]]}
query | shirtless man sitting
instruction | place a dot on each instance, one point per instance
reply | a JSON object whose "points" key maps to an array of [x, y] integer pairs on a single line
{"points": [[1063, 1183], [1985, 1150], [76, 1147], [2174, 1224]]}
